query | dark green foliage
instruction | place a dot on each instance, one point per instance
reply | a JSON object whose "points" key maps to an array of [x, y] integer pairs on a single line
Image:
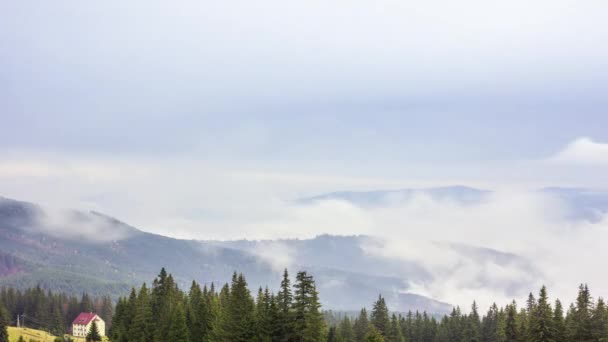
{"points": [[178, 331], [374, 336], [542, 327], [559, 323], [361, 326], [93, 335], [4, 322], [380, 318], [238, 315], [308, 323], [285, 315], [49, 311], [165, 313], [345, 331]]}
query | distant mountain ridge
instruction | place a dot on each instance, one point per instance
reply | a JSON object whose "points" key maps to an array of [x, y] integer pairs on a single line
{"points": [[93, 252], [74, 263]]}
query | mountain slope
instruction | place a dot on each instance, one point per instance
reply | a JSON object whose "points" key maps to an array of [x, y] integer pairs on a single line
{"points": [[75, 251]]}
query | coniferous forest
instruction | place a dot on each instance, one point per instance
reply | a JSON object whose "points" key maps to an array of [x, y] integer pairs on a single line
{"points": [[162, 312]]}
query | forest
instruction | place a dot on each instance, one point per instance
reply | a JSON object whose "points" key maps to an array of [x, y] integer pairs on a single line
{"points": [[163, 312]]}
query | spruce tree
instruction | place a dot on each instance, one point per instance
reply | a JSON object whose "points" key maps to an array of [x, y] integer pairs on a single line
{"points": [[379, 317], [394, 332], [472, 325], [511, 328], [284, 304], [582, 315], [374, 336], [541, 320], [361, 326], [93, 335], [558, 322], [308, 322], [178, 331], [599, 321], [345, 330], [4, 322], [142, 327], [238, 317]]}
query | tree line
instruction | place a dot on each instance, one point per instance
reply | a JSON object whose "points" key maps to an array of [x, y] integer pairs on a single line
{"points": [[230, 314], [50, 311], [163, 312], [538, 321]]}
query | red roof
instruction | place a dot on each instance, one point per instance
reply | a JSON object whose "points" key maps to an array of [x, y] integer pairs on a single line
{"points": [[84, 318]]}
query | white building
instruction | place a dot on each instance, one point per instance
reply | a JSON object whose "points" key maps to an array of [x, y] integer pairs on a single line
{"points": [[82, 324]]}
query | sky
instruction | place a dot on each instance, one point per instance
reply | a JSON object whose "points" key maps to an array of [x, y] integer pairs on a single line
{"points": [[198, 119]]}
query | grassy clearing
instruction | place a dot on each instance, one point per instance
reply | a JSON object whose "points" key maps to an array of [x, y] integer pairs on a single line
{"points": [[27, 333], [38, 335]]}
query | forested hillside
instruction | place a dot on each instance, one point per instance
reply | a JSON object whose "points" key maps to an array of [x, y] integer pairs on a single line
{"points": [[164, 312], [100, 255]]}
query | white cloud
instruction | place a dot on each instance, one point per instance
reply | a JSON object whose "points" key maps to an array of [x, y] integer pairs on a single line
{"points": [[583, 151]]}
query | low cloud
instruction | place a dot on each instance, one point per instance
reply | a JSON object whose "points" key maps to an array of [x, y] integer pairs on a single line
{"points": [[498, 250], [91, 227], [583, 151]]}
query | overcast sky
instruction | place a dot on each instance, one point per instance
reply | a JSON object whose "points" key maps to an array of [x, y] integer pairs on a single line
{"points": [[182, 115]]}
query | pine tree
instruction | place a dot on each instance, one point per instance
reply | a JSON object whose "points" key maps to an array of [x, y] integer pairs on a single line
{"points": [[582, 323], [394, 331], [4, 322], [345, 331], [511, 328], [178, 331], [93, 335], [380, 318], [361, 326], [284, 304], [263, 324], [374, 335], [558, 322], [472, 325], [541, 320], [332, 335], [238, 318], [308, 322], [599, 321], [142, 327]]}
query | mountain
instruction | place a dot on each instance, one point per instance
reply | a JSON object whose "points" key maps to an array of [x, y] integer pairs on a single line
{"points": [[77, 251]]}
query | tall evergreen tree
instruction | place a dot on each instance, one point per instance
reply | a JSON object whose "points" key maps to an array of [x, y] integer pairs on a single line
{"points": [[308, 325], [541, 320], [178, 331], [238, 318], [93, 335], [284, 304], [142, 327], [4, 322], [511, 328], [559, 323], [394, 331], [361, 326], [599, 321], [380, 317], [581, 325], [472, 325], [345, 330]]}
